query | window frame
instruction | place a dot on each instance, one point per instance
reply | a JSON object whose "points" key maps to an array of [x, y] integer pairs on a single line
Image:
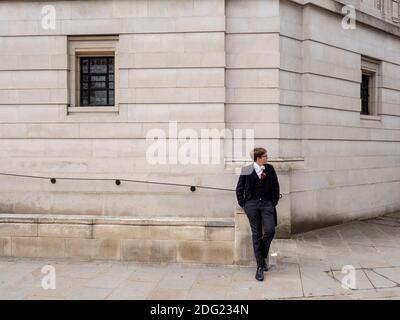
{"points": [[372, 69], [90, 46], [395, 19]]}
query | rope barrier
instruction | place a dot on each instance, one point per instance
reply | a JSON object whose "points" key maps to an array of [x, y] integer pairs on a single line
{"points": [[53, 180]]}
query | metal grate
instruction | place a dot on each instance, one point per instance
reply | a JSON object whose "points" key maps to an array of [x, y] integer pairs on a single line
{"points": [[97, 81], [364, 94]]}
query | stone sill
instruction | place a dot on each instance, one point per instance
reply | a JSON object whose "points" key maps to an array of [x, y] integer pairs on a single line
{"points": [[93, 109], [370, 117], [110, 220]]}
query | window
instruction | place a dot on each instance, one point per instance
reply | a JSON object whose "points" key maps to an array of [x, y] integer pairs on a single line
{"points": [[369, 87], [379, 5], [395, 10], [97, 81], [93, 73], [365, 94]]}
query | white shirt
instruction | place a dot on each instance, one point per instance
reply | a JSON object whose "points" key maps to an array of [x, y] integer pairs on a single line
{"points": [[258, 169]]}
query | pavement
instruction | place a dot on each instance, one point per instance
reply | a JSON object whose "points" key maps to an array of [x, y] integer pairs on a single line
{"points": [[364, 254]]}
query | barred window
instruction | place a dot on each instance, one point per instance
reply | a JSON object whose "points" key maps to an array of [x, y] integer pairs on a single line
{"points": [[97, 81], [370, 86], [364, 93]]}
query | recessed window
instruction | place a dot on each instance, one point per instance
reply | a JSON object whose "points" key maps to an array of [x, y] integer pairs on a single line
{"points": [[369, 87], [395, 10], [93, 73], [96, 81], [365, 81]]}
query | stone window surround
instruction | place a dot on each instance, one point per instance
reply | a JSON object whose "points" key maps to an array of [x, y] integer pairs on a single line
{"points": [[396, 18], [79, 46], [371, 67]]}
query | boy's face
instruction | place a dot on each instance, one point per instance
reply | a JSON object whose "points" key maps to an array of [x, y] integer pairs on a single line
{"points": [[262, 160]]}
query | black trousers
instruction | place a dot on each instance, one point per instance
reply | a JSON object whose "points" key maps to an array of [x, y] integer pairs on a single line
{"points": [[261, 217]]}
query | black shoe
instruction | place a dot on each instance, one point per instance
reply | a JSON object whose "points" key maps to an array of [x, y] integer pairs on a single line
{"points": [[260, 274], [265, 268]]}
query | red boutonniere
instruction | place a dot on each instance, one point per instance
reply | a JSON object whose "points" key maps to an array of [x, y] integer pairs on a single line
{"points": [[263, 175]]}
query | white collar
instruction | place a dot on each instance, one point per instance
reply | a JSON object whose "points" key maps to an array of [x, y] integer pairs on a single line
{"points": [[257, 167]]}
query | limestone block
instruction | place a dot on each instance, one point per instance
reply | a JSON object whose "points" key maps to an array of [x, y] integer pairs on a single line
{"points": [[64, 230], [220, 234], [110, 130], [176, 233], [252, 8], [326, 60], [36, 113], [179, 95], [252, 43], [160, 8], [252, 24], [291, 57], [121, 232], [252, 78], [126, 9], [208, 7], [38, 247], [172, 60], [102, 249], [18, 230], [291, 17], [181, 112], [322, 116], [205, 251], [204, 77], [330, 86], [28, 45], [253, 95], [77, 203], [47, 130], [163, 251], [6, 199], [318, 99], [252, 113], [5, 246], [50, 247], [390, 75], [196, 24], [28, 79], [149, 250]]}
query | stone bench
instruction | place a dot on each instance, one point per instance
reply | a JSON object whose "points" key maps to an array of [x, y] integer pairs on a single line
{"points": [[145, 239]]}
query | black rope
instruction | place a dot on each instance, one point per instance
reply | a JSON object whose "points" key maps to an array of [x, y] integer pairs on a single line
{"points": [[117, 181]]}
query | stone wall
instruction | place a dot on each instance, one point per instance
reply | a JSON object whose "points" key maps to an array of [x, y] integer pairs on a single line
{"points": [[351, 163], [286, 69], [171, 63]]}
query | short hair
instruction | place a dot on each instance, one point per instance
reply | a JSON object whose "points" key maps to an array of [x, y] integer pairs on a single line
{"points": [[257, 153]]}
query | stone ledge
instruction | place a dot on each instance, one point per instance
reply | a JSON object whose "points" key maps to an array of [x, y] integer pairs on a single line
{"points": [[96, 220], [151, 239]]}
